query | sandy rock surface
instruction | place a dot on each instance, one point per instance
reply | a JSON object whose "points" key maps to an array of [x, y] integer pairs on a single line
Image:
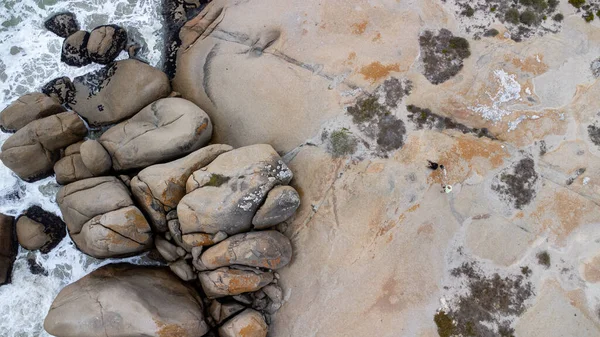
{"points": [[339, 89]]}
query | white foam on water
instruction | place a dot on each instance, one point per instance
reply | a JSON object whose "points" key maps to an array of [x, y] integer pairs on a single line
{"points": [[30, 57]]}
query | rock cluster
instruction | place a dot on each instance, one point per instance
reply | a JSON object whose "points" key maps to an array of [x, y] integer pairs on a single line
{"points": [[137, 174], [102, 45]]}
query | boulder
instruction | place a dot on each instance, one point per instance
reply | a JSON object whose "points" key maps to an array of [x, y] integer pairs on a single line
{"points": [[281, 203], [265, 249], [8, 247], [71, 168], [222, 311], [248, 323], [62, 24], [26, 109], [74, 51], [228, 282], [40, 229], [166, 249], [225, 195], [61, 89], [123, 300], [118, 91], [162, 131], [159, 188], [32, 151], [106, 42], [183, 270], [101, 218], [95, 157]]}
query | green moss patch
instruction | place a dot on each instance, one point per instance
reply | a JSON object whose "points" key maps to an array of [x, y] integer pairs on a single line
{"points": [[342, 143]]}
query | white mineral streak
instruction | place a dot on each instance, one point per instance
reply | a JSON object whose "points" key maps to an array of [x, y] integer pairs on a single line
{"points": [[508, 91]]}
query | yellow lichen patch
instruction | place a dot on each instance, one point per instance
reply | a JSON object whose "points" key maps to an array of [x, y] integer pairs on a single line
{"points": [[375, 71], [350, 60], [533, 64], [169, 330], [359, 27]]}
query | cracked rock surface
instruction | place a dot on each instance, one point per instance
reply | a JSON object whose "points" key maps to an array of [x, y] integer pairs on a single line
{"points": [[122, 300]]}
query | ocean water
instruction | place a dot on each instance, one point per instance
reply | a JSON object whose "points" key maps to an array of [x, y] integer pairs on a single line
{"points": [[30, 57]]}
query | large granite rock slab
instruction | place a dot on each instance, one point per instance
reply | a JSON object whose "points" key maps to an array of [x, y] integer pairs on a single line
{"points": [[123, 300]]}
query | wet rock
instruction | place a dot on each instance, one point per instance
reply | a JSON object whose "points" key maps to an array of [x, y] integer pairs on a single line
{"points": [[281, 203], [60, 89], [222, 311], [71, 168], [442, 55], [74, 49], [118, 91], [119, 299], [32, 151], [228, 282], [225, 195], [26, 109], [105, 43], [159, 188], [101, 218], [162, 131], [95, 158], [183, 270], [8, 247], [249, 323], [266, 249], [40, 229], [34, 267], [62, 24]]}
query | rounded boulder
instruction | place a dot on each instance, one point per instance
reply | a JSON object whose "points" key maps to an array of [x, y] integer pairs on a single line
{"points": [[123, 300], [265, 249], [105, 43], [62, 24], [40, 229], [164, 130], [74, 51]]}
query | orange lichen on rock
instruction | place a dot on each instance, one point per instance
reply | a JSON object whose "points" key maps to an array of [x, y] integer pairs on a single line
{"points": [[533, 64], [376, 70], [170, 330], [360, 27]]}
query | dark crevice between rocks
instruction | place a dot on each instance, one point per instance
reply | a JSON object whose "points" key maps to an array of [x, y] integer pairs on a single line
{"points": [[175, 14], [425, 119], [517, 187], [442, 55], [488, 306]]}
